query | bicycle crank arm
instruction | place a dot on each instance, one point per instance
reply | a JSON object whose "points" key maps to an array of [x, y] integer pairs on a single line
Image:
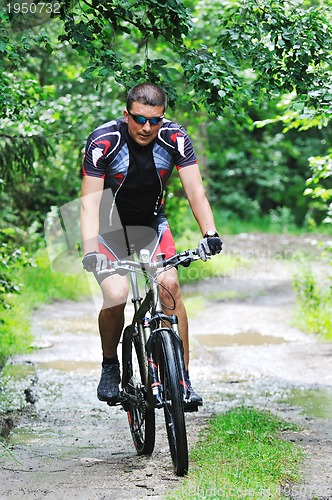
{"points": [[130, 401], [115, 403]]}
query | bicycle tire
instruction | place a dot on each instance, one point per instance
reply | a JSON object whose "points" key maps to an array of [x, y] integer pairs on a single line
{"points": [[141, 417], [173, 405]]}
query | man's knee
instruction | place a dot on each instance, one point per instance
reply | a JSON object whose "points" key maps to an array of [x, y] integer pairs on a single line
{"points": [[115, 292], [170, 286], [114, 303]]}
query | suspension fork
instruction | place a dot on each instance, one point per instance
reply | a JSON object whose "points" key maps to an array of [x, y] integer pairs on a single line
{"points": [[155, 387], [179, 352], [137, 301]]}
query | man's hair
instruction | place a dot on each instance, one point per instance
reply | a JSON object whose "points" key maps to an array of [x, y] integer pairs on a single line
{"points": [[148, 94]]}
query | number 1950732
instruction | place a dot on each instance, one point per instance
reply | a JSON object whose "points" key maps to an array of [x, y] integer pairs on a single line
{"points": [[33, 8]]}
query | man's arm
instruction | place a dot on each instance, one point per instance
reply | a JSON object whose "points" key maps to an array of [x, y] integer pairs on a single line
{"points": [[193, 186], [92, 190]]}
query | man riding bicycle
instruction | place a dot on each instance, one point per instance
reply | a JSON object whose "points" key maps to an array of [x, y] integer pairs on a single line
{"points": [[126, 167]]}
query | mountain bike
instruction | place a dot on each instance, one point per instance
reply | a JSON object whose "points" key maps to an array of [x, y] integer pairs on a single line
{"points": [[153, 370]]}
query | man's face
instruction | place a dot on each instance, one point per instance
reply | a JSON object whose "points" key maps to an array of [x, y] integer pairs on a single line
{"points": [[143, 134]]}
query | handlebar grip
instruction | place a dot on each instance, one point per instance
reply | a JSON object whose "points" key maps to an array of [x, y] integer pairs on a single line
{"points": [[184, 258]]}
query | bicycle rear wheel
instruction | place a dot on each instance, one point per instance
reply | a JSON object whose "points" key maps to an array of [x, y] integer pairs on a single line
{"points": [[141, 417], [173, 409]]}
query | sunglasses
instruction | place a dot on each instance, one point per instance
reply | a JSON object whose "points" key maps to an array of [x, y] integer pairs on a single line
{"points": [[142, 120]]}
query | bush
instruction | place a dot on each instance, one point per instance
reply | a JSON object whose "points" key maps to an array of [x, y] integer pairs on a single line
{"points": [[314, 303], [12, 259]]}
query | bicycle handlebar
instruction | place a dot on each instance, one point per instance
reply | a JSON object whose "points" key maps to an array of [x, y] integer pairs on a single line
{"points": [[182, 258]]}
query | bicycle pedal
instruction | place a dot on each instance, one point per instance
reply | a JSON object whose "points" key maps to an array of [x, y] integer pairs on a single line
{"points": [[114, 403]]}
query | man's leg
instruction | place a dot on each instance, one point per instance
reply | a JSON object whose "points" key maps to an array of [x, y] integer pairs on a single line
{"points": [[111, 322]]}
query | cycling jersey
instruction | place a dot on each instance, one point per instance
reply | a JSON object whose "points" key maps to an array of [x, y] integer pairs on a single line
{"points": [[136, 175]]}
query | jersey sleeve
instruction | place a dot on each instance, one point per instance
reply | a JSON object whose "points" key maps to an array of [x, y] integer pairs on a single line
{"points": [[184, 151], [94, 164]]}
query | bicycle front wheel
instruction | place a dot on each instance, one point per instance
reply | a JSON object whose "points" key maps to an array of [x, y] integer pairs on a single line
{"points": [[141, 417], [173, 405]]}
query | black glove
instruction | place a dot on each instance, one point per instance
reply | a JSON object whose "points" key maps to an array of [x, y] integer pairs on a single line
{"points": [[94, 261], [209, 246]]}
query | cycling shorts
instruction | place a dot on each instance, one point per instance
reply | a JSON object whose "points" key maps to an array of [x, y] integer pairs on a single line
{"points": [[121, 243]]}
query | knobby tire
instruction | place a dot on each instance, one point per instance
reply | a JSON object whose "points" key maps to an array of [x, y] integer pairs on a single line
{"points": [[173, 408], [141, 418]]}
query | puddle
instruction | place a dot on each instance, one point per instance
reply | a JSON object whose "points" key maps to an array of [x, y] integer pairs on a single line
{"points": [[314, 403], [23, 435], [69, 366], [19, 371], [245, 338]]}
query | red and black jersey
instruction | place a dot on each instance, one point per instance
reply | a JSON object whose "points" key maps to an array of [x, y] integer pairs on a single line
{"points": [[136, 175]]}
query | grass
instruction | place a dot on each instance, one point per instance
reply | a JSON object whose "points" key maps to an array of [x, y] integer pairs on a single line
{"points": [[195, 303], [40, 285], [314, 303], [278, 221], [243, 455], [6, 451], [217, 267]]}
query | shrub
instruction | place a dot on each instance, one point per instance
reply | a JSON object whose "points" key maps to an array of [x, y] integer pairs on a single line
{"points": [[314, 301]]}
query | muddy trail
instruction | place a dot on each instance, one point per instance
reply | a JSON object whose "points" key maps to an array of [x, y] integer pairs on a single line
{"points": [[66, 444]]}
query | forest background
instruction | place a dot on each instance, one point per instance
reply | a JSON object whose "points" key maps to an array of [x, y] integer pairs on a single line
{"points": [[250, 80]]}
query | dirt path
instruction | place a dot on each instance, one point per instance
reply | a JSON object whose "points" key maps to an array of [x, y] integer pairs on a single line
{"points": [[69, 445]]}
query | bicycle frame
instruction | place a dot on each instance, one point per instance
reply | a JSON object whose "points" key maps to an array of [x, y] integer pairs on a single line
{"points": [[148, 328]]}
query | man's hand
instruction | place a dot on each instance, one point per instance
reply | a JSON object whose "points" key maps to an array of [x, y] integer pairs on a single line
{"points": [[94, 261], [209, 246]]}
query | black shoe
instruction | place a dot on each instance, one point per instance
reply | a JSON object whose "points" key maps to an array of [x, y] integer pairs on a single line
{"points": [[194, 400], [108, 388]]}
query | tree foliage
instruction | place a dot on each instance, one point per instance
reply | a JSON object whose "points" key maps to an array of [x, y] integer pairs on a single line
{"points": [[12, 259], [319, 184], [249, 79], [226, 65], [20, 153], [243, 51], [286, 44]]}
